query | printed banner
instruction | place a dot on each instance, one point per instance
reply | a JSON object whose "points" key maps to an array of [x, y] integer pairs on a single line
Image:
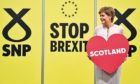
{"points": [[21, 38], [68, 26]]}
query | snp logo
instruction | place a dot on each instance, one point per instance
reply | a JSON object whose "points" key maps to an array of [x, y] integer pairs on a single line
{"points": [[20, 49], [122, 19]]}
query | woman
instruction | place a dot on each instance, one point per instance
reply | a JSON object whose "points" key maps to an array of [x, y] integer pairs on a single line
{"points": [[105, 30]]}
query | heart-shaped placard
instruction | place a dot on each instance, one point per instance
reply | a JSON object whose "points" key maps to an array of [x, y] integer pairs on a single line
{"points": [[108, 55]]}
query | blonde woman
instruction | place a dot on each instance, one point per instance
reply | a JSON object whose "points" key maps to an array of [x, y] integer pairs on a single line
{"points": [[105, 30]]}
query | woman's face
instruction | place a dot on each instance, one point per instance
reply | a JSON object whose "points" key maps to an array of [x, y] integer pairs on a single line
{"points": [[105, 19]]}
